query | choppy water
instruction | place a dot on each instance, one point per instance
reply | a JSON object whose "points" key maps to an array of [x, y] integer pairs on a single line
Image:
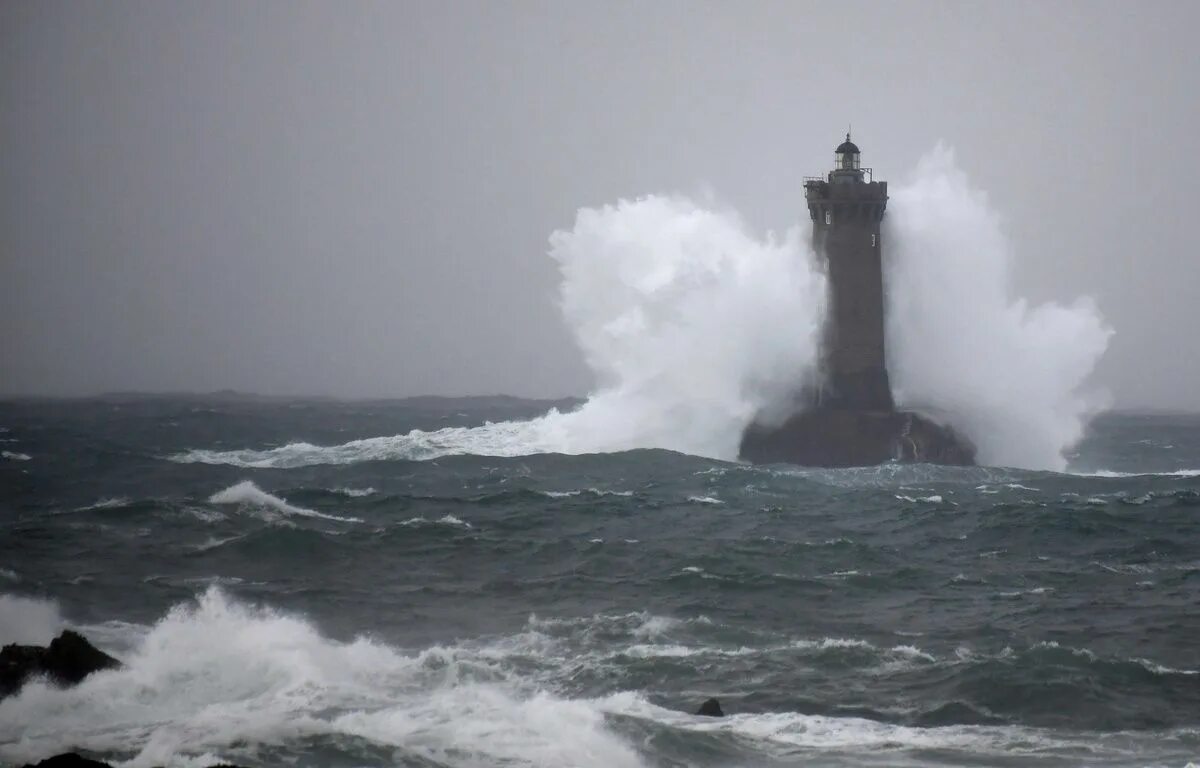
{"points": [[390, 603]]}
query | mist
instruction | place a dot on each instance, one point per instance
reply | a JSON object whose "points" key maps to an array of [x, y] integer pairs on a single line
{"points": [[358, 200]]}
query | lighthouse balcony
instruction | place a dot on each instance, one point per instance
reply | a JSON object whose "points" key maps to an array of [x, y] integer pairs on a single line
{"points": [[816, 189]]}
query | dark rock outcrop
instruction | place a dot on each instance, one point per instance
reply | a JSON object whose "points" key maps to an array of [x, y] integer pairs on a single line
{"points": [[711, 708], [845, 437], [72, 760], [69, 760], [66, 661]]}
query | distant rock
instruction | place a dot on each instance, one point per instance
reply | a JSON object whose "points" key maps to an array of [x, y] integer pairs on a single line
{"points": [[66, 661], [711, 708]]}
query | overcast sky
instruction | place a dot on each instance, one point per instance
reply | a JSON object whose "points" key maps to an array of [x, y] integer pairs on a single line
{"points": [[355, 198]]}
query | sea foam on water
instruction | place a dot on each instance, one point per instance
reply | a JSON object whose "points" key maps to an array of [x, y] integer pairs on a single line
{"points": [[216, 676]]}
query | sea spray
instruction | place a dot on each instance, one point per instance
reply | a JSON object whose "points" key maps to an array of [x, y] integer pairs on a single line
{"points": [[693, 326], [216, 674], [28, 620], [1010, 376]]}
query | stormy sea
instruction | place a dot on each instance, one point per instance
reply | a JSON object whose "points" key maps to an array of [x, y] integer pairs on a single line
{"points": [[286, 586], [500, 582]]}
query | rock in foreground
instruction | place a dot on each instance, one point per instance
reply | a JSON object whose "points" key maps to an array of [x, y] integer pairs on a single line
{"points": [[711, 708], [66, 661], [73, 760], [68, 760]]}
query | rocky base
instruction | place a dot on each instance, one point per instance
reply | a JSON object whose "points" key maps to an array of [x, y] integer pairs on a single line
{"points": [[833, 437]]}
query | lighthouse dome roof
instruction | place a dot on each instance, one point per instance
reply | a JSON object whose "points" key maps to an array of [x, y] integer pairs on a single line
{"points": [[847, 147]]}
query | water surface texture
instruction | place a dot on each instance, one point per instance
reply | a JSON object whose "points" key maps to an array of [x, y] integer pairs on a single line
{"points": [[316, 583]]}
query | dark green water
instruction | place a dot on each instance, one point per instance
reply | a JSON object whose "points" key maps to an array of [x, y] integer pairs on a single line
{"points": [[280, 592]]}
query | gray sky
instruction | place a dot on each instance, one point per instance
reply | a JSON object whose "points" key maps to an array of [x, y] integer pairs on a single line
{"points": [[355, 198]]}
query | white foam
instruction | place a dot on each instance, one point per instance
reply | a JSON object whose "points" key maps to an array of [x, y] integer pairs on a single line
{"points": [[781, 734], [271, 678], [1112, 474], [444, 520], [826, 643], [28, 620], [592, 491], [185, 699], [213, 542], [248, 495], [355, 493], [693, 326], [106, 503], [705, 500], [15, 456], [934, 499], [1159, 669], [1009, 375]]}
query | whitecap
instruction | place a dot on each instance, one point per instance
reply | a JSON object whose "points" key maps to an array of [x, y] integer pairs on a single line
{"points": [[443, 520], [828, 643], [15, 456], [912, 652], [1108, 473], [248, 495], [933, 499], [355, 493], [273, 678], [111, 502], [1160, 669]]}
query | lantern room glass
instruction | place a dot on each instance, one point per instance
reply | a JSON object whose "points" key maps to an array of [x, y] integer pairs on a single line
{"points": [[846, 162]]}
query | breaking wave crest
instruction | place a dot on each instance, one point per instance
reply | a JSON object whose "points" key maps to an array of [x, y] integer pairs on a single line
{"points": [[215, 676], [693, 326], [248, 495]]}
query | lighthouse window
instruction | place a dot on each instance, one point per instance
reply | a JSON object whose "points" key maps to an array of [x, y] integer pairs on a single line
{"points": [[872, 241], [828, 217]]}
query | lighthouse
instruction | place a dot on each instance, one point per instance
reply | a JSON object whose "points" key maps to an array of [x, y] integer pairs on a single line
{"points": [[847, 417], [847, 209]]}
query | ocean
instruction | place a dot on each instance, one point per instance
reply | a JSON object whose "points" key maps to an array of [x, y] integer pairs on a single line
{"points": [[325, 583]]}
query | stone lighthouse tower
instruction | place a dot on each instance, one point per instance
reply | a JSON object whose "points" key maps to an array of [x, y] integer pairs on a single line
{"points": [[846, 209], [848, 418]]}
